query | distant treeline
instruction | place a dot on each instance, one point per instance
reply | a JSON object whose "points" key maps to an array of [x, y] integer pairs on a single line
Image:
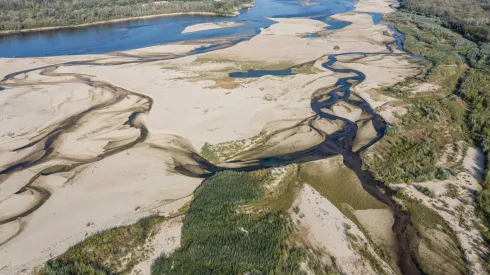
{"points": [[468, 17], [27, 14]]}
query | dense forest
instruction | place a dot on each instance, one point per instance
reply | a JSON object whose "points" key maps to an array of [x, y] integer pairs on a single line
{"points": [[469, 17], [26, 14]]}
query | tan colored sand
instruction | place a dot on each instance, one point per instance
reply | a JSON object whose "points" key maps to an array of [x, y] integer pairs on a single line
{"points": [[166, 240], [19, 203], [378, 223], [115, 191], [365, 134], [187, 102], [9, 230], [467, 183], [174, 49], [211, 26], [328, 228], [378, 6]]}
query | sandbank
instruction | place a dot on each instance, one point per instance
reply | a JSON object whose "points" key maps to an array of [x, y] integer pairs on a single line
{"points": [[211, 26]]}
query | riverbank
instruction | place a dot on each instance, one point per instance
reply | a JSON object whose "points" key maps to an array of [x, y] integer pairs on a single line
{"points": [[24, 17], [145, 17]]}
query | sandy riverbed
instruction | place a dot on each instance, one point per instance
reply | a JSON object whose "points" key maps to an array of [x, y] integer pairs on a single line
{"points": [[182, 103]]}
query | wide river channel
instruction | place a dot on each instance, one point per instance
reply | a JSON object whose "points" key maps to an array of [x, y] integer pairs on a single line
{"points": [[135, 34]]}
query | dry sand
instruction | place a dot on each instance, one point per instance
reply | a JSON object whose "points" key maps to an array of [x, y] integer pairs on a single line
{"points": [[115, 191], [378, 6], [187, 101], [459, 211], [211, 26], [329, 229], [166, 240]]}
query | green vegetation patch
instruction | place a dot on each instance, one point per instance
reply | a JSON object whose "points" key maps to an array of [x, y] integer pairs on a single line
{"points": [[469, 17], [413, 147], [280, 192], [338, 184], [434, 36], [221, 152], [219, 237], [218, 240], [433, 244], [112, 251]]}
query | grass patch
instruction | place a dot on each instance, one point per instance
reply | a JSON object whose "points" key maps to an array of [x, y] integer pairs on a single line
{"points": [[221, 152], [338, 184], [112, 251], [433, 244]]}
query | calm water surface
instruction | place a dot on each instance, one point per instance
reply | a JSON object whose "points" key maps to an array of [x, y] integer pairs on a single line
{"points": [[143, 33]]}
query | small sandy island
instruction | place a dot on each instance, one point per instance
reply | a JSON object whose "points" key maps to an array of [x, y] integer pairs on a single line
{"points": [[211, 26]]}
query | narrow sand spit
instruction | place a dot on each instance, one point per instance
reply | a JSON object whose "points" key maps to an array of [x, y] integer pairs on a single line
{"points": [[211, 26], [328, 228], [104, 143]]}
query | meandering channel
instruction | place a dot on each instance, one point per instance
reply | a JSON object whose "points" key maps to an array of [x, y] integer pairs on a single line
{"points": [[339, 143]]}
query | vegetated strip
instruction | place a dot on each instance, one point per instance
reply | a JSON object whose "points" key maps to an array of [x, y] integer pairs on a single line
{"points": [[31, 15]]}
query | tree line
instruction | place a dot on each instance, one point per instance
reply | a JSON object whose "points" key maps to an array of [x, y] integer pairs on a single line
{"points": [[26, 14], [468, 17]]}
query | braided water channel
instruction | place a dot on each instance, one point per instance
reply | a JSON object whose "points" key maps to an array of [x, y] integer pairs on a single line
{"points": [[341, 142], [338, 143]]}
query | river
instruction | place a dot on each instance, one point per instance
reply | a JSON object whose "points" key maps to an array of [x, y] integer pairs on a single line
{"points": [[135, 34]]}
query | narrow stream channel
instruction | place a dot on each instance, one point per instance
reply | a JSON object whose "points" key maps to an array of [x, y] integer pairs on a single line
{"points": [[339, 143]]}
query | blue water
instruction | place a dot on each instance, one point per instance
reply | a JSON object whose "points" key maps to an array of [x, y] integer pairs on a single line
{"points": [[333, 25], [377, 17], [143, 33]]}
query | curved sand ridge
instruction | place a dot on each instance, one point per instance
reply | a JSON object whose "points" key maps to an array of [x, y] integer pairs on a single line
{"points": [[176, 90], [211, 26]]}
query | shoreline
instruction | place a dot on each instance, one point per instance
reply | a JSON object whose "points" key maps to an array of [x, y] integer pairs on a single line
{"points": [[126, 19]]}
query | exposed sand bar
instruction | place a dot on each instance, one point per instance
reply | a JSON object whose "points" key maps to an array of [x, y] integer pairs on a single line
{"points": [[211, 26], [329, 229]]}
